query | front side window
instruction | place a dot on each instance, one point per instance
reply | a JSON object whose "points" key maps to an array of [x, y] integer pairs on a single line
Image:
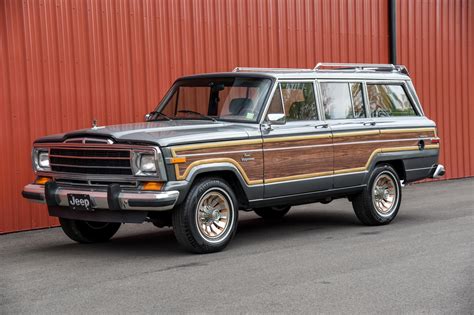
{"points": [[386, 100], [233, 99], [342, 100], [296, 99]]}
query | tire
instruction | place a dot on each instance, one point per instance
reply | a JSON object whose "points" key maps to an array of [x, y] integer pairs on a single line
{"points": [[88, 232], [379, 202], [272, 213], [211, 202]]}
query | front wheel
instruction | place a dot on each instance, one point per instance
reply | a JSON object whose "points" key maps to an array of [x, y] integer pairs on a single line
{"points": [[207, 220], [88, 231], [380, 201]]}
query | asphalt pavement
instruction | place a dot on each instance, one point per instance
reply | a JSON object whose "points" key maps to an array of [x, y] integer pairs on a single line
{"points": [[318, 260]]}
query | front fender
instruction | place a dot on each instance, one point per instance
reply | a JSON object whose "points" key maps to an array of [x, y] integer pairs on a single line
{"points": [[254, 191]]}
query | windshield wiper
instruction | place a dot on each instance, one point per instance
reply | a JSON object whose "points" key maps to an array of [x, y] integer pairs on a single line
{"points": [[160, 114], [187, 111]]}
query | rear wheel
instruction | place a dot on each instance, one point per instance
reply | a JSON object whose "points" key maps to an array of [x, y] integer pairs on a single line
{"points": [[88, 231], [380, 201], [207, 220], [272, 213]]}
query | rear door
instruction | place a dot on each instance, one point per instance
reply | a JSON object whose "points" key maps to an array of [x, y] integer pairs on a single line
{"points": [[298, 154], [355, 134]]}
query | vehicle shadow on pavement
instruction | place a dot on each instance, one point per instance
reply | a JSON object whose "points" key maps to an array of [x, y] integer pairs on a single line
{"points": [[133, 242]]}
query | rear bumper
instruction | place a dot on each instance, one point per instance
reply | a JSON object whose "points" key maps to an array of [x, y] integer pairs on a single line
{"points": [[113, 198]]}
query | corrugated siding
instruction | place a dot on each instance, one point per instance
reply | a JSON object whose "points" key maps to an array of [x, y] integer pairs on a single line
{"points": [[65, 62], [436, 42]]}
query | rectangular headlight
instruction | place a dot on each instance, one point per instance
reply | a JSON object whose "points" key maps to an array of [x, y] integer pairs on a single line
{"points": [[41, 159], [148, 163]]}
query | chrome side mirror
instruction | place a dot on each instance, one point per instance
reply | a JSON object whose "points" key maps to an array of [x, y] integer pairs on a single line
{"points": [[276, 119], [148, 116]]}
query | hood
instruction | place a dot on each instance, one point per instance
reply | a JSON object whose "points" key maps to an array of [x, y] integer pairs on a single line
{"points": [[163, 133]]}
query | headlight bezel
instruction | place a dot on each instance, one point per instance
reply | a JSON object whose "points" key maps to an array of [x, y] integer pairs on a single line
{"points": [[37, 166], [159, 166]]}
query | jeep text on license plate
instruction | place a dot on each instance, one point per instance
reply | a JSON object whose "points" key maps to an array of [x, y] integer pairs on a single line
{"points": [[79, 202]]}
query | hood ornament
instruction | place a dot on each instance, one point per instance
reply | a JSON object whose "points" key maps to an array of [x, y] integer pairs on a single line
{"points": [[94, 125]]}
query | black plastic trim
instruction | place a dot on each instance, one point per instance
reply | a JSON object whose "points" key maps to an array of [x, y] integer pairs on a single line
{"points": [[50, 189], [113, 192], [151, 203], [32, 196]]}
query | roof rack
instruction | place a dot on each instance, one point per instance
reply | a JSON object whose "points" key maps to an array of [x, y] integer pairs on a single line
{"points": [[324, 66], [251, 69]]}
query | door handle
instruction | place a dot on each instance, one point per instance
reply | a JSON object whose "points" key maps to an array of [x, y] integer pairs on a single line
{"points": [[321, 126], [369, 123]]}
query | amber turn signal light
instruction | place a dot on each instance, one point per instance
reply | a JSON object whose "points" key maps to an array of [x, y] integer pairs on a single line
{"points": [[152, 186], [178, 160], [42, 180]]}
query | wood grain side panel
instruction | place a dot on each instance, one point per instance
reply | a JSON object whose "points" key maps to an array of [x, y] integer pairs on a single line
{"points": [[407, 135], [298, 143], [223, 150], [353, 156], [251, 169], [343, 139], [287, 160]]}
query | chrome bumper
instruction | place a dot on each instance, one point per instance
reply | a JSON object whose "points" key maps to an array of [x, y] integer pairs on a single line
{"points": [[104, 199], [439, 171]]}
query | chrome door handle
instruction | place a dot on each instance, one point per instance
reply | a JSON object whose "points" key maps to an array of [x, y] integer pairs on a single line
{"points": [[321, 126], [369, 123]]}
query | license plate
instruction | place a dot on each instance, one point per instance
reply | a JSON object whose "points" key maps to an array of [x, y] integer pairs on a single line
{"points": [[80, 202]]}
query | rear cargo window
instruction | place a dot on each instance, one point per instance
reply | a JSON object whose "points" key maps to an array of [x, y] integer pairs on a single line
{"points": [[387, 100], [342, 100]]}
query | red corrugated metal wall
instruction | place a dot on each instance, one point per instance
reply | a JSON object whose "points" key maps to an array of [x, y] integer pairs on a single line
{"points": [[63, 63], [436, 42]]}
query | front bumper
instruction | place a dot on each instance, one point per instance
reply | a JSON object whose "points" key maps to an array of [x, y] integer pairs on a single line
{"points": [[112, 198]]}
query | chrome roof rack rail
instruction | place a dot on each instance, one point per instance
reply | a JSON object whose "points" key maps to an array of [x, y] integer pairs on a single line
{"points": [[324, 66], [256, 69]]}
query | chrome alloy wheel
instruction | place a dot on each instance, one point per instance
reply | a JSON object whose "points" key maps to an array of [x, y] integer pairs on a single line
{"points": [[385, 194], [214, 215]]}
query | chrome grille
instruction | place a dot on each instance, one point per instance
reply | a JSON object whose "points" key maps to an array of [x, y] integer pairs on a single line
{"points": [[91, 161]]}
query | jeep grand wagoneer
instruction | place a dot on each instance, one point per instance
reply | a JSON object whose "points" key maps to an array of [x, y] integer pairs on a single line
{"points": [[252, 139]]}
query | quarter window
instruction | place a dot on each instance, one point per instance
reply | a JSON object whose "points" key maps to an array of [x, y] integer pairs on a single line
{"points": [[342, 100], [386, 100]]}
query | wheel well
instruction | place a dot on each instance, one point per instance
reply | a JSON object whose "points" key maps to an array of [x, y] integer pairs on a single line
{"points": [[231, 178], [398, 166]]}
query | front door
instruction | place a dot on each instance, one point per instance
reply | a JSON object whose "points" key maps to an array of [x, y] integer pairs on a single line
{"points": [[298, 153]]}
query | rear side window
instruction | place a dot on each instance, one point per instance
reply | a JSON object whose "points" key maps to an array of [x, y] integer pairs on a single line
{"points": [[386, 100], [342, 100]]}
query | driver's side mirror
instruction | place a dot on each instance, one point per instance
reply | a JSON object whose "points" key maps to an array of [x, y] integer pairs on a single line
{"points": [[148, 116], [276, 119]]}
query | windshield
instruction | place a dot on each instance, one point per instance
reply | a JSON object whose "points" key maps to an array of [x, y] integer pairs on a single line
{"points": [[233, 99]]}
